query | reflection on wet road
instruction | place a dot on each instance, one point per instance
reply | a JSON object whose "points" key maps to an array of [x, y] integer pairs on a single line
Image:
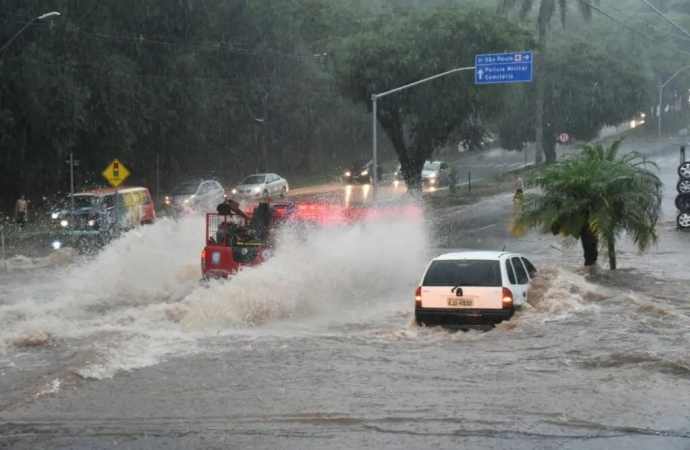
{"points": [[316, 349]]}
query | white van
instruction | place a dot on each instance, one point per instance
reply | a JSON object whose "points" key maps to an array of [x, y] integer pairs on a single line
{"points": [[472, 288]]}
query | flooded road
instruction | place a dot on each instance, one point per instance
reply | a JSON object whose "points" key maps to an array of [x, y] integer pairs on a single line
{"points": [[316, 349]]}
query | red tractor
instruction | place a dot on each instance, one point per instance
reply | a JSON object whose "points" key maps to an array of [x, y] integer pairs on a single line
{"points": [[234, 242]]}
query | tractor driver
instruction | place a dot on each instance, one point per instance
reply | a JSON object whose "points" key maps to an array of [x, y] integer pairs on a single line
{"points": [[263, 218]]}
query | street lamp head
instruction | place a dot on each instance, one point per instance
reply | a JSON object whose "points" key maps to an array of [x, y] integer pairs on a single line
{"points": [[50, 14]]}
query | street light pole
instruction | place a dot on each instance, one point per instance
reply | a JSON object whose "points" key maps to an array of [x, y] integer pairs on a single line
{"points": [[71, 178], [375, 97], [661, 90], [41, 17]]}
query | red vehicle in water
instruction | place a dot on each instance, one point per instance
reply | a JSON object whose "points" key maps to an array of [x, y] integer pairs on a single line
{"points": [[234, 243]]}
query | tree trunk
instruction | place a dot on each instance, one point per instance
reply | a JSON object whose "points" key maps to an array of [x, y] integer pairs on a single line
{"points": [[412, 174], [541, 86], [611, 244], [590, 245], [549, 146]]}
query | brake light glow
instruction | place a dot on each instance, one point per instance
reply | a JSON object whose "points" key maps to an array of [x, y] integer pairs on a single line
{"points": [[507, 298], [418, 298], [203, 259]]}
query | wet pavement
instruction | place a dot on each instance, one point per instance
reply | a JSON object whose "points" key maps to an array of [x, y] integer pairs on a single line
{"points": [[316, 349]]}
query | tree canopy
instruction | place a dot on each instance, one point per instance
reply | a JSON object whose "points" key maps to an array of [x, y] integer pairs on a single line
{"points": [[423, 118], [225, 87], [596, 196], [217, 88], [586, 89]]}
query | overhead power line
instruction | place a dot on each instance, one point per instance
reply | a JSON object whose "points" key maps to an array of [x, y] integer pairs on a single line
{"points": [[666, 18], [634, 30], [647, 24]]}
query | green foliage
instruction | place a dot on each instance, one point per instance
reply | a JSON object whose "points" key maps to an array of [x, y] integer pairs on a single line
{"points": [[421, 44], [185, 82], [586, 89], [547, 10], [600, 189]]}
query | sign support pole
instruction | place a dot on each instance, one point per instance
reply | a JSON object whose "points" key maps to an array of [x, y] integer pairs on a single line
{"points": [[71, 178]]}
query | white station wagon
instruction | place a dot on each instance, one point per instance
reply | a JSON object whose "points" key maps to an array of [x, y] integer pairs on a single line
{"points": [[472, 289]]}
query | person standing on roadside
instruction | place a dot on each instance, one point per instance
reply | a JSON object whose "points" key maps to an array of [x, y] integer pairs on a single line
{"points": [[518, 186], [21, 210]]}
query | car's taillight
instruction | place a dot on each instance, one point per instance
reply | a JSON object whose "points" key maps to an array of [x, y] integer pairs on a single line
{"points": [[507, 298], [203, 259], [418, 298]]}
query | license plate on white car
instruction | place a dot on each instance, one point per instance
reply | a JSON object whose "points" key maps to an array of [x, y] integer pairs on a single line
{"points": [[459, 302]]}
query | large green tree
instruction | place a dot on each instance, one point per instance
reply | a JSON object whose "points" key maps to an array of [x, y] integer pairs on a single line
{"points": [[587, 89], [218, 88], [548, 9], [596, 196], [421, 44]]}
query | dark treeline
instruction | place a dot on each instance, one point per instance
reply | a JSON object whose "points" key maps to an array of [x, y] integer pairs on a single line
{"points": [[212, 89], [222, 88]]}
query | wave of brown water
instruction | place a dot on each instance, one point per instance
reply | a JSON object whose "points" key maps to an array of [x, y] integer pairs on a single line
{"points": [[598, 350]]}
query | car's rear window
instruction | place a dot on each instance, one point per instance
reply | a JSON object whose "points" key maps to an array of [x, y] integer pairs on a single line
{"points": [[463, 272]]}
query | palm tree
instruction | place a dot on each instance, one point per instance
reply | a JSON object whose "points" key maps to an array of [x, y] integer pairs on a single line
{"points": [[595, 196], [547, 10]]}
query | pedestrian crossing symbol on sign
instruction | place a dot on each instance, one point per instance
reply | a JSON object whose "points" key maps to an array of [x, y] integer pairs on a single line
{"points": [[116, 173]]}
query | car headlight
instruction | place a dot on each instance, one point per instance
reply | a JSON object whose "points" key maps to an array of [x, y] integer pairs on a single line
{"points": [[347, 174], [258, 189], [91, 222], [55, 215], [432, 176], [64, 223], [432, 180], [366, 172], [56, 245], [234, 191]]}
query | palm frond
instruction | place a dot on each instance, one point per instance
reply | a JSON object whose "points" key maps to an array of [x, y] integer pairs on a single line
{"points": [[611, 194]]}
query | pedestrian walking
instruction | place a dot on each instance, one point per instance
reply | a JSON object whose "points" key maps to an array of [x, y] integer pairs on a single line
{"points": [[21, 211]]}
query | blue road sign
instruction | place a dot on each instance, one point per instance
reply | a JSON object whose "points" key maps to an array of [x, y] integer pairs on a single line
{"points": [[503, 68]]}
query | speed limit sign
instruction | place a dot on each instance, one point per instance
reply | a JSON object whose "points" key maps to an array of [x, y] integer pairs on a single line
{"points": [[563, 138]]}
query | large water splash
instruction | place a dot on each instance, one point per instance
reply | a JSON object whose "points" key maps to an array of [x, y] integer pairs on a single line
{"points": [[139, 299]]}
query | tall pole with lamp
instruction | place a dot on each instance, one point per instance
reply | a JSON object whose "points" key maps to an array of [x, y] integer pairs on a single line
{"points": [[661, 91], [41, 17], [374, 98]]}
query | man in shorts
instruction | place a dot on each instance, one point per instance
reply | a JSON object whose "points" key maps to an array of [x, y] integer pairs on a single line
{"points": [[21, 210]]}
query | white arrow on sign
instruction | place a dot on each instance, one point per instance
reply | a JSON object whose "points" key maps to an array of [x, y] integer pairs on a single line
{"points": [[480, 73], [526, 57]]}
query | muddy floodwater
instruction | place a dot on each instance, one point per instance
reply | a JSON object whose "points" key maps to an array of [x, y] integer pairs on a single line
{"points": [[317, 348]]}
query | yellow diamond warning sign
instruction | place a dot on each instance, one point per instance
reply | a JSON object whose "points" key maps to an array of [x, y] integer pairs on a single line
{"points": [[116, 173]]}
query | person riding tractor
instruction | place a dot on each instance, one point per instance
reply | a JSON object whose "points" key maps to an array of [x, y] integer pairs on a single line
{"points": [[263, 219]]}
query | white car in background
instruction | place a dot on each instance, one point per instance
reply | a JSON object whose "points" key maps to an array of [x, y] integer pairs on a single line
{"points": [[435, 173], [195, 196], [259, 185], [478, 288]]}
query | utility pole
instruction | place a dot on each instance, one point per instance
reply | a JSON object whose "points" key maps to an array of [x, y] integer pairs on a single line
{"points": [[158, 178], [374, 98], [71, 177], [41, 17], [661, 92]]}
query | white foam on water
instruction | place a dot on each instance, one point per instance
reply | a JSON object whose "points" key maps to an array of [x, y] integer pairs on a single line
{"points": [[139, 299]]}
